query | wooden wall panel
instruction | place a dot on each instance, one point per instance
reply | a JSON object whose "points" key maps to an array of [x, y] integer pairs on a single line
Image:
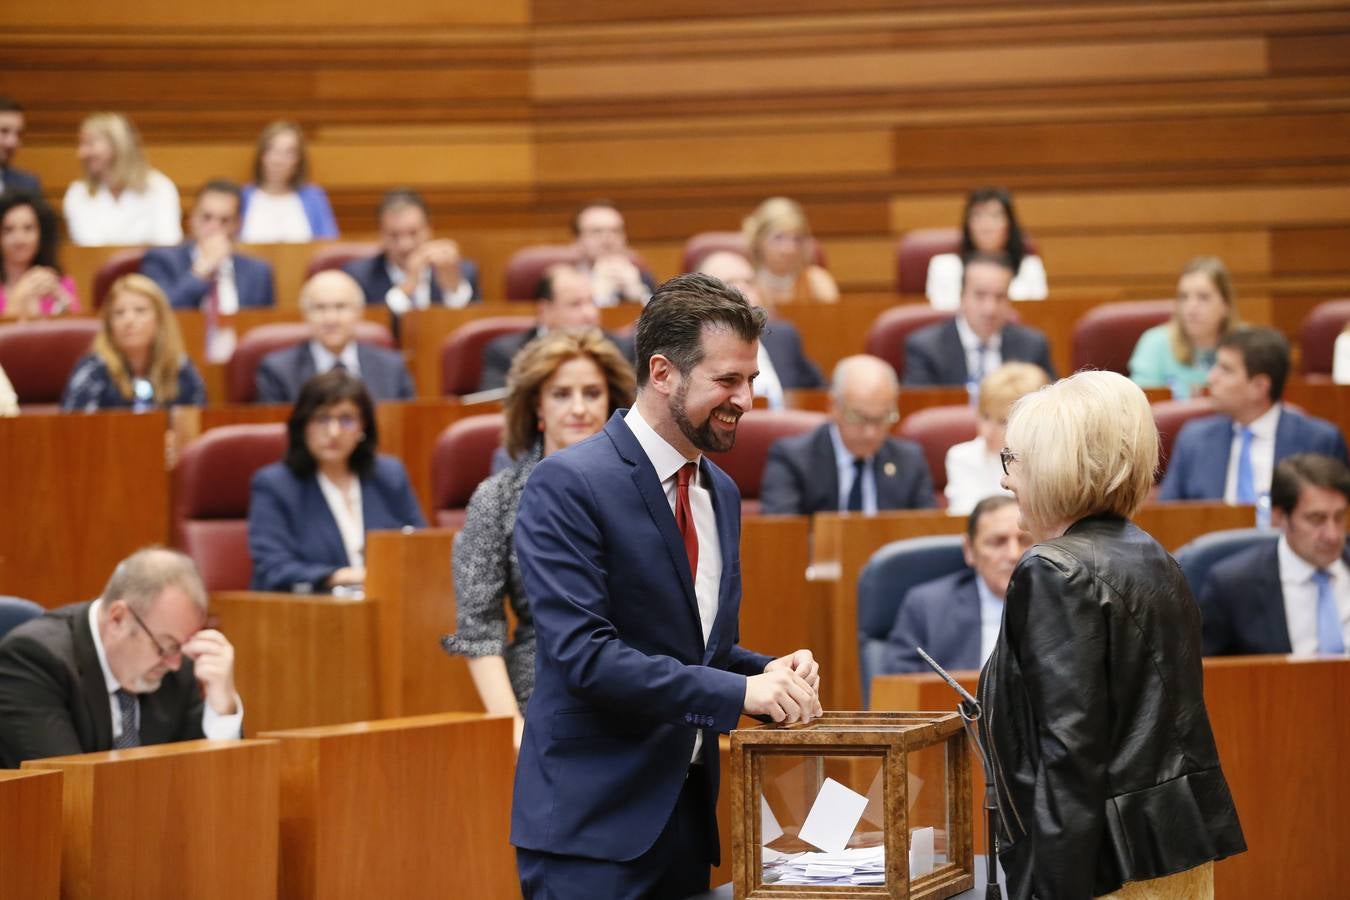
{"points": [[1128, 255], [1307, 250], [262, 14]]}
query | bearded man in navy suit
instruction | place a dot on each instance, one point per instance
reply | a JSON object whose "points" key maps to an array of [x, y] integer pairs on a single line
{"points": [[629, 550]]}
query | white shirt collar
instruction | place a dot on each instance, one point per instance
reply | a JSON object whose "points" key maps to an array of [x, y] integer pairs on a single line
{"points": [[325, 359], [109, 679], [971, 341], [664, 458], [1264, 425], [1296, 569]]}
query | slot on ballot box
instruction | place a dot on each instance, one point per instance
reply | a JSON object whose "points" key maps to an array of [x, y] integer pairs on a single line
{"points": [[854, 804]]}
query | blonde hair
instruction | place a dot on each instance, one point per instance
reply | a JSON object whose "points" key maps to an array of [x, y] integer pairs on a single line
{"points": [[166, 356], [1084, 445], [129, 169], [1001, 388], [539, 359], [774, 214], [1212, 268]]}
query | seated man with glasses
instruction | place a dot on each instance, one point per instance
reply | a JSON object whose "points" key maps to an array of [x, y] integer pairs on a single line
{"points": [[851, 463], [136, 666]]}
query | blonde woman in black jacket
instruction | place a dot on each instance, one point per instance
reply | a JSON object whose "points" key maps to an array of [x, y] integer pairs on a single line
{"points": [[1107, 776]]}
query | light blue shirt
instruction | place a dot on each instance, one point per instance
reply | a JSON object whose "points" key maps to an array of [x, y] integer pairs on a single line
{"points": [[843, 461], [991, 618]]}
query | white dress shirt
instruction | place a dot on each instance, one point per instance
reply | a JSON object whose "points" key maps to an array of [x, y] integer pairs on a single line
{"points": [[325, 359], [991, 618], [668, 461], [1263, 454], [227, 292], [976, 362], [768, 385], [351, 521], [1300, 597], [399, 302], [944, 280], [151, 216], [214, 726], [973, 473], [843, 461]]}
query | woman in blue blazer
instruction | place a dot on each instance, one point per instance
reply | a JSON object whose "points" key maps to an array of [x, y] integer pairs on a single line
{"points": [[282, 205], [309, 513]]}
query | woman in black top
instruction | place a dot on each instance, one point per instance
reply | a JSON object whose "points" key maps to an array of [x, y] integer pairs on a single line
{"points": [[1094, 713]]}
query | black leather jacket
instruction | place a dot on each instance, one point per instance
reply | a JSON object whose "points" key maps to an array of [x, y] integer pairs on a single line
{"points": [[1094, 714]]}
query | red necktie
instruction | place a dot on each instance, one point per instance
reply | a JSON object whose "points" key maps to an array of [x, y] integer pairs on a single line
{"points": [[684, 516]]}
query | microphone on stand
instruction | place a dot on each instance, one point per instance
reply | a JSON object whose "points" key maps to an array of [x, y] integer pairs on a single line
{"points": [[969, 709]]}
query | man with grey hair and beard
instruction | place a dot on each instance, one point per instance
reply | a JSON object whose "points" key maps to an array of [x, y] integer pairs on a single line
{"points": [[136, 666]]}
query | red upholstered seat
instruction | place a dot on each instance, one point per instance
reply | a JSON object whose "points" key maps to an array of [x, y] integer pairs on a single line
{"points": [[757, 431], [123, 262], [240, 386], [913, 252], [936, 429], [886, 337], [462, 351], [1170, 415], [1104, 337], [38, 356], [706, 242], [1317, 337], [211, 495], [337, 255], [461, 459]]}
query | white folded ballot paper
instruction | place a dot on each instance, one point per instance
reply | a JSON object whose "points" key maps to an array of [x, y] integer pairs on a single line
{"points": [[830, 823]]}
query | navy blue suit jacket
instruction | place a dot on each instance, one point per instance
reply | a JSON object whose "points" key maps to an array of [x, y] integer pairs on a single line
{"points": [[934, 355], [282, 373], [292, 535], [171, 269], [18, 180], [943, 617], [372, 273], [800, 476], [623, 679], [784, 344], [1242, 604], [1198, 466]]}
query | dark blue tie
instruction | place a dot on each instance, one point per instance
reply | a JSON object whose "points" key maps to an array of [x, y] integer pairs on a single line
{"points": [[131, 735], [855, 503], [1329, 637]]}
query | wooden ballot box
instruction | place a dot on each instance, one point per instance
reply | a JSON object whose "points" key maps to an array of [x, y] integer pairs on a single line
{"points": [[195, 820], [413, 807], [854, 804], [30, 834]]}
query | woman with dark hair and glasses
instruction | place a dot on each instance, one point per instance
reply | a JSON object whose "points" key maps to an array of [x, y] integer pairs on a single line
{"points": [[309, 514], [989, 225]]}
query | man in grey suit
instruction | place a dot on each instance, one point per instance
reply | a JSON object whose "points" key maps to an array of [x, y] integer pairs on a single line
{"points": [[980, 337], [956, 618], [851, 463], [11, 139], [332, 304]]}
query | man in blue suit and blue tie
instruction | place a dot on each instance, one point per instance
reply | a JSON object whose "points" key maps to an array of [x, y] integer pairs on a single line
{"points": [[206, 269], [629, 550], [956, 618], [1230, 456]]}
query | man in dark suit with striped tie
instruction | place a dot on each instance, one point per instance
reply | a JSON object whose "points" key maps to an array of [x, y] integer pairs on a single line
{"points": [[136, 666]]}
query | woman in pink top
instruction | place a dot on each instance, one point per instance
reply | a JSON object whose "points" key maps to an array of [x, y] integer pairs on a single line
{"points": [[31, 283]]}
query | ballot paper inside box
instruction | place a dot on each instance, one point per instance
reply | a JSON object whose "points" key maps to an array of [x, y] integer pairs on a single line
{"points": [[855, 804]]}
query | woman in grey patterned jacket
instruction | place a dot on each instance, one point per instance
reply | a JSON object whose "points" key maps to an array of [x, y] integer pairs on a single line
{"points": [[561, 389]]}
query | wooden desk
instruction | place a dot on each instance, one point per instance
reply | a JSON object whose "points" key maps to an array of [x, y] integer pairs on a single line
{"points": [[81, 492], [1321, 398], [193, 820], [1281, 725], [843, 543], [410, 582], [30, 834], [301, 659], [409, 807], [409, 429]]}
